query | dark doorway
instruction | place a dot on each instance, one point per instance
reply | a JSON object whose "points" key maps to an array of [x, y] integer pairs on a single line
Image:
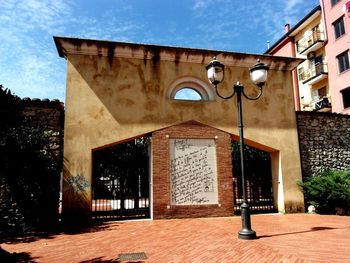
{"points": [[258, 179], [120, 186]]}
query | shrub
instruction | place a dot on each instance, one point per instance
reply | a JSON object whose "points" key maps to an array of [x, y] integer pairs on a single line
{"points": [[329, 192], [29, 173]]}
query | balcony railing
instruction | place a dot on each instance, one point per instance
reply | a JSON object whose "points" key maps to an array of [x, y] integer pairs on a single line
{"points": [[322, 105], [310, 43], [314, 74]]}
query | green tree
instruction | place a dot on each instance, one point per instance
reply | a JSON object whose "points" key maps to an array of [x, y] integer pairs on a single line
{"points": [[29, 173]]}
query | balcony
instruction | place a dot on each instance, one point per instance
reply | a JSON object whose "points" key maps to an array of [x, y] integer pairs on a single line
{"points": [[323, 105], [320, 105], [310, 43], [314, 74]]}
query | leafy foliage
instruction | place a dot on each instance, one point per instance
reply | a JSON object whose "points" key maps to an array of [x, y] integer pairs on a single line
{"points": [[253, 157], [122, 163], [29, 173], [8, 109], [257, 171], [329, 192]]}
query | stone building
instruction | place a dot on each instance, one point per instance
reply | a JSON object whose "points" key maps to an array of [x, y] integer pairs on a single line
{"points": [[117, 92]]}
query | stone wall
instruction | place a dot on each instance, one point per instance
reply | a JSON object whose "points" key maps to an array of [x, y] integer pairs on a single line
{"points": [[47, 114], [324, 140]]}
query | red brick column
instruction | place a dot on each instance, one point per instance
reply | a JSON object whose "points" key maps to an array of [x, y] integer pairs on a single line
{"points": [[162, 207]]}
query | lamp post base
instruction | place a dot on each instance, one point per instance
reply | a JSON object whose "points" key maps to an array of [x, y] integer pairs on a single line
{"points": [[246, 232]]}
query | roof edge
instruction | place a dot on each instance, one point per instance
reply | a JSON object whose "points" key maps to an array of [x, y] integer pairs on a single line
{"points": [[286, 35], [77, 46]]}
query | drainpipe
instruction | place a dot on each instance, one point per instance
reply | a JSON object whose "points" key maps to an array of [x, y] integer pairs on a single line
{"points": [[325, 35], [324, 24], [295, 81]]}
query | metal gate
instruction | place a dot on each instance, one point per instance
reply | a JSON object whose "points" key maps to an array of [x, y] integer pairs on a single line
{"points": [[120, 187], [258, 180]]}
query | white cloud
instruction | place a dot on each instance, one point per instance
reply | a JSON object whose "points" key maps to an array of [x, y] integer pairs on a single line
{"points": [[30, 66], [292, 4], [200, 4], [253, 22], [204, 4], [29, 62]]}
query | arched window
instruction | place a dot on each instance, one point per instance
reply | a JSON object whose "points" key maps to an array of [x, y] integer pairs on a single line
{"points": [[190, 88], [187, 93]]}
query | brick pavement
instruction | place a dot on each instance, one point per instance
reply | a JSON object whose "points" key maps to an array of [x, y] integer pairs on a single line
{"points": [[282, 238]]}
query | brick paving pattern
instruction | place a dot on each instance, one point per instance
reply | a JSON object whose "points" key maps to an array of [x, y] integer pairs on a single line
{"points": [[281, 238]]}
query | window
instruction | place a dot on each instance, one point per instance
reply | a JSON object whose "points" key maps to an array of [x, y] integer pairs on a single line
{"points": [[190, 88], [316, 34], [187, 94], [334, 2], [346, 97], [315, 95], [322, 92], [339, 28], [319, 94], [320, 98], [299, 46], [318, 59], [301, 74], [343, 61]]}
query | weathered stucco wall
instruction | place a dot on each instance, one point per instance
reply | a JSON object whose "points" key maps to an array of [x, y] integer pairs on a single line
{"points": [[118, 91]]}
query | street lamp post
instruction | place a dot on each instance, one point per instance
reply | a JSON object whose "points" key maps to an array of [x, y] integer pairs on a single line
{"points": [[258, 75]]}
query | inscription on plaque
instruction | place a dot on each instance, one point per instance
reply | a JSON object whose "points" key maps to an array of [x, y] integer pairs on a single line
{"points": [[193, 171]]}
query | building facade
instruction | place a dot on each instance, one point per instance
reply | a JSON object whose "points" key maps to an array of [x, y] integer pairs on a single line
{"points": [[337, 21], [322, 38], [117, 92]]}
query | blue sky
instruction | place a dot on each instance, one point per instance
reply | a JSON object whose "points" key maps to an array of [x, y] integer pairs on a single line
{"points": [[31, 67]]}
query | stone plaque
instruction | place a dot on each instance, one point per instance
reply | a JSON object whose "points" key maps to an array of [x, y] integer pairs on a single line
{"points": [[193, 171]]}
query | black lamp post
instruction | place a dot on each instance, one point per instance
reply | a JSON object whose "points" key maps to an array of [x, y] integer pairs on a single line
{"points": [[258, 75]]}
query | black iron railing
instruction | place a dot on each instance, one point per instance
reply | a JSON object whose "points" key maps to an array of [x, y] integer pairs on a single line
{"points": [[313, 72], [112, 201]]}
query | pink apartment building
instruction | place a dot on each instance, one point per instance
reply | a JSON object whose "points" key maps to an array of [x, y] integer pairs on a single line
{"points": [[322, 38]]}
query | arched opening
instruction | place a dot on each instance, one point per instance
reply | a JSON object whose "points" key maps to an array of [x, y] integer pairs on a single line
{"points": [[190, 88], [187, 93]]}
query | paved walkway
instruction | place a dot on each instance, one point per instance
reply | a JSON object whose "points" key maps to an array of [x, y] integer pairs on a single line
{"points": [[282, 238]]}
